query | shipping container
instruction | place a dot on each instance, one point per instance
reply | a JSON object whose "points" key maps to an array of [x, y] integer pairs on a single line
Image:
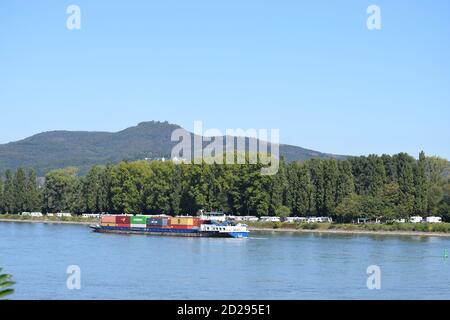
{"points": [[138, 220], [122, 220], [106, 224], [181, 227], [108, 219], [123, 225], [182, 221], [139, 226], [158, 221]]}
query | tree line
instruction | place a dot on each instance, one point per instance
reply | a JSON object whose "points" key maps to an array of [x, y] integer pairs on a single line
{"points": [[392, 187]]}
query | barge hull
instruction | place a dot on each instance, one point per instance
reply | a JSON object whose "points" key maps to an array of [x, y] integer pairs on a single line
{"points": [[162, 232]]}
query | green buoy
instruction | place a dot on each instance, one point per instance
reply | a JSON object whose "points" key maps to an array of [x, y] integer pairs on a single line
{"points": [[446, 254]]}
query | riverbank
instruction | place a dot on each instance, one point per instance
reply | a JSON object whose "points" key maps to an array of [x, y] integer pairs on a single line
{"points": [[53, 220], [405, 229], [355, 232]]}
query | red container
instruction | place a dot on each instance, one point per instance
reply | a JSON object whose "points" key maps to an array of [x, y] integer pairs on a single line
{"points": [[123, 220], [182, 227], [198, 222], [123, 225]]}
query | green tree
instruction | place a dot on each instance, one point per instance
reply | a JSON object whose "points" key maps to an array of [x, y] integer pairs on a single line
{"points": [[283, 212], [9, 193], [349, 209], [299, 191], [420, 184], [406, 185], [436, 169], [330, 177], [370, 175], [2, 200], [390, 167], [391, 199], [345, 183], [32, 197], [434, 198], [20, 191], [317, 181], [278, 188], [158, 189], [59, 189], [127, 186]]}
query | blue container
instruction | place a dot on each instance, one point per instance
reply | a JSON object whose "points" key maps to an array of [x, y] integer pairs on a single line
{"points": [[157, 222]]}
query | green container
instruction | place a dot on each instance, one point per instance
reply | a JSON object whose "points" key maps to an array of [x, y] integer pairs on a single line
{"points": [[138, 220]]}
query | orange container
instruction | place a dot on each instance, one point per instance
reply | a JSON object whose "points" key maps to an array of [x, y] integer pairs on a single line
{"points": [[108, 219], [105, 224]]}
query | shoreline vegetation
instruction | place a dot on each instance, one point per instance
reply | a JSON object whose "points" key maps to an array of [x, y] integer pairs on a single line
{"points": [[396, 229], [383, 188]]}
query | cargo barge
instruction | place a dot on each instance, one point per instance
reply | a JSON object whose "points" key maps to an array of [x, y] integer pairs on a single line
{"points": [[170, 226]]}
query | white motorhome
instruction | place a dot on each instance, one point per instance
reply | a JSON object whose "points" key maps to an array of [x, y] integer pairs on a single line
{"points": [[319, 220], [36, 214], [296, 219], [434, 220], [270, 219], [244, 218], [90, 215], [250, 218], [416, 219], [63, 214], [213, 216]]}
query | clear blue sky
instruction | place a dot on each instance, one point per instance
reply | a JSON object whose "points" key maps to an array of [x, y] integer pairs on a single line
{"points": [[310, 68]]}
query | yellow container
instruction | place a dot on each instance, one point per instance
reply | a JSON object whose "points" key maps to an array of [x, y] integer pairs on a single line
{"points": [[108, 224], [182, 221]]}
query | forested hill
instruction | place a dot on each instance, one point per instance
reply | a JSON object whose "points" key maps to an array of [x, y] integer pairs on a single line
{"points": [[58, 149]]}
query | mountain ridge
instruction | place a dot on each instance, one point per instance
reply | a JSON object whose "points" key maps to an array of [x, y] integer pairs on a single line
{"points": [[82, 149]]}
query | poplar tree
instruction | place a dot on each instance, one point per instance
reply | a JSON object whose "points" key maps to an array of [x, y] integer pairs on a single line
{"points": [[32, 202], [20, 191], [345, 186], [406, 185], [299, 190], [2, 202], [317, 180], [278, 190], [330, 176], [420, 184], [375, 175], [8, 193]]}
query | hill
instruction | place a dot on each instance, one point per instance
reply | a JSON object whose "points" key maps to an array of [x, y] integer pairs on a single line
{"points": [[56, 149]]}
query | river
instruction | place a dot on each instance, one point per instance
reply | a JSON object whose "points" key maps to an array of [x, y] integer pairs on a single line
{"points": [[266, 266]]}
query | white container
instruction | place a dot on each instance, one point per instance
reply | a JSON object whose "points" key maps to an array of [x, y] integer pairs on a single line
{"points": [[139, 226]]}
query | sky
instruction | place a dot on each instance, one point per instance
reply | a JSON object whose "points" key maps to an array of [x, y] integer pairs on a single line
{"points": [[311, 69]]}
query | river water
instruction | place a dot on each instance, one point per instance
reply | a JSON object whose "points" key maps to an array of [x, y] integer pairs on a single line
{"points": [[266, 266]]}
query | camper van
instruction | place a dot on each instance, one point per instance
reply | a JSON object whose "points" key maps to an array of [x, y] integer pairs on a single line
{"points": [[416, 219], [434, 220]]}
